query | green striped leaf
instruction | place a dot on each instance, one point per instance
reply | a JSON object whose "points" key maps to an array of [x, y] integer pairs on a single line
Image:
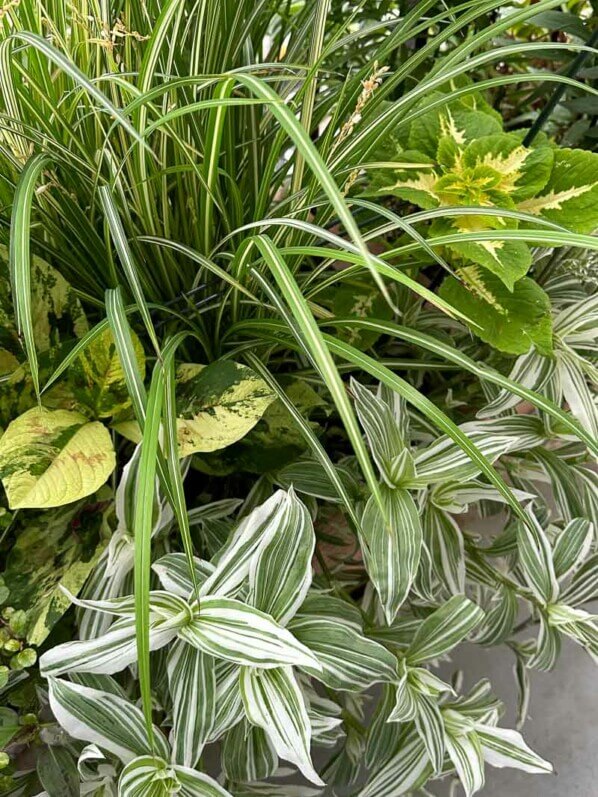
{"points": [[430, 726], [173, 571], [391, 541], [280, 573], [584, 584], [228, 629], [406, 771], [254, 531], [150, 775], [443, 629], [572, 546], [503, 747], [349, 660], [383, 434], [548, 646], [248, 753], [192, 687], [535, 556], [105, 719], [465, 751], [273, 701], [20, 259]]}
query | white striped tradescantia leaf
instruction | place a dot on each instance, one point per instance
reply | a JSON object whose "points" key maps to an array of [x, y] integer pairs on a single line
{"points": [[228, 706], [280, 574], [503, 747], [116, 649], [173, 571], [254, 531], [443, 629], [349, 660], [248, 753], [406, 771], [274, 702], [465, 751], [105, 719], [535, 556], [391, 544], [228, 629], [572, 546], [148, 776], [430, 726], [192, 686], [383, 434]]}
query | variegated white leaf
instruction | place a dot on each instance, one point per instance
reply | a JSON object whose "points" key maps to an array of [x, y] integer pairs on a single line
{"points": [[228, 629], [274, 702], [104, 719]]}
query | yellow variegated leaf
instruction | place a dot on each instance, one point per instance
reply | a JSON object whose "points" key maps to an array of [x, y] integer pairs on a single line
{"points": [[53, 457], [97, 377], [219, 405]]}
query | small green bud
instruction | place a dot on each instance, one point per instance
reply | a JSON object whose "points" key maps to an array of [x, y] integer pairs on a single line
{"points": [[4, 760], [26, 658], [18, 623], [12, 645], [28, 719]]}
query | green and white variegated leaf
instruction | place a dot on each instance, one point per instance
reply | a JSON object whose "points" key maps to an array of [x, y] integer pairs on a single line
{"points": [[570, 197], [173, 571], [535, 556], [445, 461], [116, 649], [579, 396], [465, 751], [149, 775], [331, 608], [104, 719], [228, 629], [532, 371], [572, 546], [405, 704], [280, 575], [274, 702], [248, 754], [348, 659], [192, 687], [254, 531], [383, 434], [228, 708], [383, 736], [584, 584], [576, 323], [548, 646], [53, 457], [218, 404], [503, 747], [443, 629], [391, 545], [430, 726], [406, 771], [500, 618], [444, 540]]}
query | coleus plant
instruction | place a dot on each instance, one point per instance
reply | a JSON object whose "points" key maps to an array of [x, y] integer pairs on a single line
{"points": [[482, 188]]}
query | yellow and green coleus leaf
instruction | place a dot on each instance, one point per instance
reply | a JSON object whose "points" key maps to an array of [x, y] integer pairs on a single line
{"points": [[461, 120], [570, 195], [53, 457], [97, 378], [511, 321]]}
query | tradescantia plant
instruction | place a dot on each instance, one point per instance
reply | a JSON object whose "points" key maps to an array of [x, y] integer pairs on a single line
{"points": [[297, 390]]}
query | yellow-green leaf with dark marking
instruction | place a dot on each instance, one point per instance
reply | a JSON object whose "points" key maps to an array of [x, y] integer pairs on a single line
{"points": [[97, 377], [53, 457], [219, 405]]}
